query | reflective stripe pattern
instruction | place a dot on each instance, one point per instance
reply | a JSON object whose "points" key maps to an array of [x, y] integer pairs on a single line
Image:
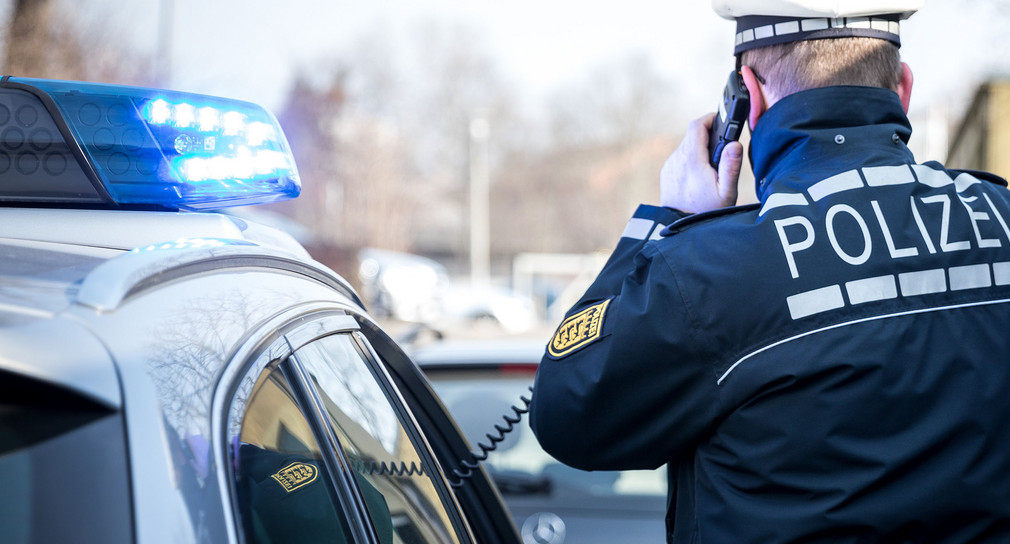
{"points": [[797, 234], [874, 177], [924, 282], [643, 229], [793, 27]]}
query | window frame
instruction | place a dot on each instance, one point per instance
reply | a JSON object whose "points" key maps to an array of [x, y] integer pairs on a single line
{"points": [[479, 499], [279, 346]]}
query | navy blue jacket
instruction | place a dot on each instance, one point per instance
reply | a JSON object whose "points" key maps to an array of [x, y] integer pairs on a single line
{"points": [[832, 364]]}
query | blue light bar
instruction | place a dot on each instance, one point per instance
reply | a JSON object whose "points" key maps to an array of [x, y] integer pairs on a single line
{"points": [[164, 149]]}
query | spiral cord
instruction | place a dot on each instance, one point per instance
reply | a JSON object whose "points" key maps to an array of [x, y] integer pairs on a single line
{"points": [[371, 467], [466, 467]]}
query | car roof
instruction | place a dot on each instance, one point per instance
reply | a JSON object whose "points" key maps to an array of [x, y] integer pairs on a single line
{"points": [[54, 262], [38, 279], [129, 229]]}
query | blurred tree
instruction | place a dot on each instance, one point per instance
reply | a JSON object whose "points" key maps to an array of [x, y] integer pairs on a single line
{"points": [[352, 169], [308, 118], [607, 138], [446, 77], [27, 38], [382, 147], [620, 100], [62, 40]]}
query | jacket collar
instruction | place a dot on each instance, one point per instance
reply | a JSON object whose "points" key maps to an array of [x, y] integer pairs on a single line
{"points": [[814, 134]]}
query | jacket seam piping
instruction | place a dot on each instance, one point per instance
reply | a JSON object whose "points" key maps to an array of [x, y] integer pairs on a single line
{"points": [[854, 322]]}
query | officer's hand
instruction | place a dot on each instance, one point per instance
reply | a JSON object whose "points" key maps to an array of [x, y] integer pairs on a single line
{"points": [[689, 183]]}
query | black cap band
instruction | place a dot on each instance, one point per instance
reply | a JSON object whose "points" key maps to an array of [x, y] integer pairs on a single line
{"points": [[754, 31]]}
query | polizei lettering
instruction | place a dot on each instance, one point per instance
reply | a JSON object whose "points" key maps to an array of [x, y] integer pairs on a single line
{"points": [[907, 214], [942, 222]]}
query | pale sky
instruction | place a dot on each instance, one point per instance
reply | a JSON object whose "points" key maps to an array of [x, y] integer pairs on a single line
{"points": [[253, 45], [250, 48]]}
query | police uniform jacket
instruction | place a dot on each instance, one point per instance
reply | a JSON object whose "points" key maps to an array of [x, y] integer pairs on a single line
{"points": [[831, 364]]}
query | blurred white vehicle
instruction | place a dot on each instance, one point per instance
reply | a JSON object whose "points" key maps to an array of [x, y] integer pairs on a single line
{"points": [[416, 289]]}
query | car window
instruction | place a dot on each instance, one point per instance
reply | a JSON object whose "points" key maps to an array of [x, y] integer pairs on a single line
{"points": [[60, 453], [477, 400], [283, 490], [396, 481]]}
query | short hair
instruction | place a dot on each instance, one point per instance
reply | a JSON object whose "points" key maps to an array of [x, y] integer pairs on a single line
{"points": [[809, 64]]}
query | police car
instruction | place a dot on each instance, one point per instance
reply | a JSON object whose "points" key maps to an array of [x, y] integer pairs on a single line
{"points": [[173, 375]]}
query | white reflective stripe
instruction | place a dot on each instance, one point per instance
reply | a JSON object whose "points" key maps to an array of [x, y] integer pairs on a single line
{"points": [[877, 176], [855, 322], [637, 228], [835, 184], [930, 177], [816, 301], [777, 200], [969, 277], [924, 282], [963, 181], [788, 27], [658, 233], [871, 289], [810, 25], [1001, 272], [882, 25], [857, 22], [25, 310]]}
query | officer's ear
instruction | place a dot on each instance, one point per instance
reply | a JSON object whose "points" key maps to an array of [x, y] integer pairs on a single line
{"points": [[759, 102], [905, 86]]}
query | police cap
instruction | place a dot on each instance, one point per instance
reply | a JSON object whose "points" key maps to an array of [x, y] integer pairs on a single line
{"points": [[770, 22]]}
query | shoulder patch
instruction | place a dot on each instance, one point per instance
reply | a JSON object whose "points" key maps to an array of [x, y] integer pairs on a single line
{"points": [[578, 330], [296, 476]]}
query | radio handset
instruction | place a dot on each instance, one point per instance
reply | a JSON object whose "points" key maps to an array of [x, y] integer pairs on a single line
{"points": [[733, 111]]}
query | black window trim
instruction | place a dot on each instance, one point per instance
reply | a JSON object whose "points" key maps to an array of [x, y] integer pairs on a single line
{"points": [[349, 495], [481, 501], [438, 477], [286, 335]]}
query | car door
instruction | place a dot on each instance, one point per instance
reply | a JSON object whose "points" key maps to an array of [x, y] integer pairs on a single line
{"points": [[322, 447]]}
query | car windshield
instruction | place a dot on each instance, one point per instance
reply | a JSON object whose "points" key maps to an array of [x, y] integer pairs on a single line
{"points": [[477, 400]]}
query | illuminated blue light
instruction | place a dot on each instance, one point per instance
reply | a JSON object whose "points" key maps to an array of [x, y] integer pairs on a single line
{"points": [[191, 243], [208, 119], [233, 123], [257, 133], [185, 115], [159, 112], [175, 150]]}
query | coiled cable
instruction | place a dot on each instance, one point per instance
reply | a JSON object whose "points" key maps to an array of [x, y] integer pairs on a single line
{"points": [[372, 467], [467, 466]]}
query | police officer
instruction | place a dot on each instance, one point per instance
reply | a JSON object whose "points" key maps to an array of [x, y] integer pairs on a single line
{"points": [[831, 364]]}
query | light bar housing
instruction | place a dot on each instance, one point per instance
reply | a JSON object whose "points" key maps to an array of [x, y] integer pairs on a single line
{"points": [[97, 145]]}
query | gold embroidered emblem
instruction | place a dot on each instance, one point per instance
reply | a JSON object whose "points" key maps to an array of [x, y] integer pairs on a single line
{"points": [[578, 330], [295, 476]]}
